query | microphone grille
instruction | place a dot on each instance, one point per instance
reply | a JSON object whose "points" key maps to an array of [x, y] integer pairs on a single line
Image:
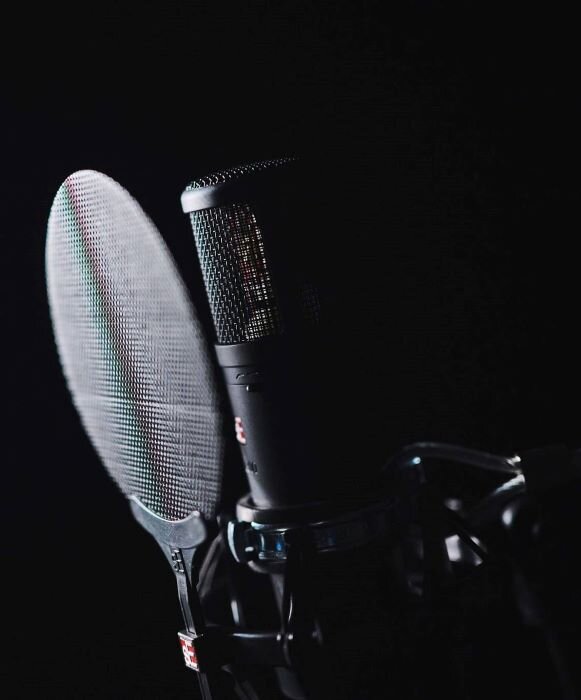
{"points": [[221, 177], [132, 349], [244, 231], [236, 274]]}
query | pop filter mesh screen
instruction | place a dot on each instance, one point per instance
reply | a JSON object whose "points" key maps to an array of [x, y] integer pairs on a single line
{"points": [[132, 350]]}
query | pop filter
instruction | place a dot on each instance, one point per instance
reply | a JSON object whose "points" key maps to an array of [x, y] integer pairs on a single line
{"points": [[136, 363]]}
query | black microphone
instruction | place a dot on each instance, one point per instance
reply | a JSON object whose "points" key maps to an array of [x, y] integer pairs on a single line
{"points": [[265, 307]]}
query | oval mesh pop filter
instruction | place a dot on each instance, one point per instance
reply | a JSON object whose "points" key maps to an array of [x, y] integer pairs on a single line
{"points": [[132, 349]]}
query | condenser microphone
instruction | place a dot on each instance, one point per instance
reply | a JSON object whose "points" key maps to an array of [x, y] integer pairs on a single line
{"points": [[265, 308], [137, 365]]}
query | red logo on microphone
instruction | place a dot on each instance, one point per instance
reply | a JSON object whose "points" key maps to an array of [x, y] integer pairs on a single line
{"points": [[239, 428]]}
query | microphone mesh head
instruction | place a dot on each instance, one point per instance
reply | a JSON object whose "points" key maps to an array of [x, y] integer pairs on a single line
{"points": [[132, 350], [237, 271], [236, 274], [221, 177]]}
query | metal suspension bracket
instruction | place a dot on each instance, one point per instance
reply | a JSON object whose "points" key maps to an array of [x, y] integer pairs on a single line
{"points": [[251, 539]]}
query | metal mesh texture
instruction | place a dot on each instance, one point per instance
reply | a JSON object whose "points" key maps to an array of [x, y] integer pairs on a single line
{"points": [[310, 303], [244, 302], [222, 176], [236, 275], [133, 352]]}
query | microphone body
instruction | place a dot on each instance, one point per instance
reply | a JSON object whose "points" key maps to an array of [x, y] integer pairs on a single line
{"points": [[266, 385], [265, 312]]}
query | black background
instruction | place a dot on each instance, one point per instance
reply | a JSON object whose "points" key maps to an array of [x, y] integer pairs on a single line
{"points": [[451, 134]]}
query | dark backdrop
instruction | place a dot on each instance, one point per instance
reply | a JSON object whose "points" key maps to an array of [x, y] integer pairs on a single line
{"points": [[445, 144]]}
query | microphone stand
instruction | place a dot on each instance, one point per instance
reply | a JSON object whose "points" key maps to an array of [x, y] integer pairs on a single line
{"points": [[292, 551]]}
